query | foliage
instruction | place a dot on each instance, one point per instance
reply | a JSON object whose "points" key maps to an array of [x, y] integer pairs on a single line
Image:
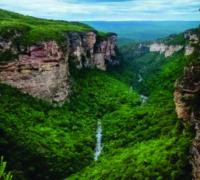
{"points": [[7, 56], [33, 30], [177, 39], [4, 175], [42, 141], [169, 72], [147, 141], [140, 141]]}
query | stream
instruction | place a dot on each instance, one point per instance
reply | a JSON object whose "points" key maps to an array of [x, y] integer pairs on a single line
{"points": [[98, 147], [143, 98], [140, 78]]}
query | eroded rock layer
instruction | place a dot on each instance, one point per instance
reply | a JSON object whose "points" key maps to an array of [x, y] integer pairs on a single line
{"points": [[187, 99], [167, 50], [42, 69]]}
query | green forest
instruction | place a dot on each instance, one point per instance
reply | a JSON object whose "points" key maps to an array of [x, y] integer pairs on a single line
{"points": [[145, 138], [141, 139]]}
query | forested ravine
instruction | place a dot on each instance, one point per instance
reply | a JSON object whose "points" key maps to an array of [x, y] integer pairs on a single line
{"points": [[71, 108]]}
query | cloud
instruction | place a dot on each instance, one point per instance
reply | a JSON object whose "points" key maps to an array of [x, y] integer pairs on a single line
{"points": [[107, 9]]}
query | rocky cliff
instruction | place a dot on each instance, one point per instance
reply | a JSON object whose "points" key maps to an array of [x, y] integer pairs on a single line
{"points": [[42, 69], [187, 100], [174, 44], [167, 50]]}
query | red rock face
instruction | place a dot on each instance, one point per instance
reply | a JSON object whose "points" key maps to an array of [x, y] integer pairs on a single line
{"points": [[182, 108], [43, 73], [87, 52], [90, 40], [42, 70], [108, 47]]}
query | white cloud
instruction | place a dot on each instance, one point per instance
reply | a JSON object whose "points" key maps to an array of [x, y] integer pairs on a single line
{"points": [[126, 10]]}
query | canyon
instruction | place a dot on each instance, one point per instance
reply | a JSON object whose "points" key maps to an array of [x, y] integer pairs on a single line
{"points": [[117, 118]]}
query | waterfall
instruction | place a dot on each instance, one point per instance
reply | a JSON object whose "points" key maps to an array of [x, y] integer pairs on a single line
{"points": [[98, 147], [140, 78], [143, 98]]}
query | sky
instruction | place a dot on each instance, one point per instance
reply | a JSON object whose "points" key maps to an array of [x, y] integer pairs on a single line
{"points": [[107, 10]]}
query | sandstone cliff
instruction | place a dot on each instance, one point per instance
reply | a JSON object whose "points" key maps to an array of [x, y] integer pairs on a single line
{"points": [[42, 69], [174, 44], [187, 100], [167, 50]]}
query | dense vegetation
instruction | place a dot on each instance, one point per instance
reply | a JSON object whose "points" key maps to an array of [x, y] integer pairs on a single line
{"points": [[140, 140], [45, 142], [35, 29], [148, 140], [3, 174]]}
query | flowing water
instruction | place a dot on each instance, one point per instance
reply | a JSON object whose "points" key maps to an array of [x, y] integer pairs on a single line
{"points": [[98, 147], [140, 78], [143, 98]]}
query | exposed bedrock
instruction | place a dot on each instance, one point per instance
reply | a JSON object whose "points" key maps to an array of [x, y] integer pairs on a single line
{"points": [[42, 69], [187, 100]]}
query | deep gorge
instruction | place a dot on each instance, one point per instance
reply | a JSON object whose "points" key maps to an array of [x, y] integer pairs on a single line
{"points": [[76, 105]]}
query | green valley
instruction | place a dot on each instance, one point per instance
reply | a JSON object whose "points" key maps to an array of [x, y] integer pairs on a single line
{"points": [[118, 101]]}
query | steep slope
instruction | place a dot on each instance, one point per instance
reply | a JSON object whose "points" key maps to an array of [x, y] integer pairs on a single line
{"points": [[187, 98]]}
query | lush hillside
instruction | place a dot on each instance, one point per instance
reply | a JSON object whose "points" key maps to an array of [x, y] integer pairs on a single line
{"points": [[147, 141], [45, 142], [140, 139], [36, 29], [24, 31]]}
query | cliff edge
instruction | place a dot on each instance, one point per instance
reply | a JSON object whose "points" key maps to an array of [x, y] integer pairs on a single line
{"points": [[35, 54], [187, 100]]}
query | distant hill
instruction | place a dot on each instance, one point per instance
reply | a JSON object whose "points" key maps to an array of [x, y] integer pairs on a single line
{"points": [[143, 30]]}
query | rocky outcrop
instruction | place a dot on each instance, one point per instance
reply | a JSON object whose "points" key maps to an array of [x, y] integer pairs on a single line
{"points": [[42, 69], [187, 100], [191, 39], [189, 50], [192, 36], [187, 97], [88, 50], [167, 50], [43, 72]]}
